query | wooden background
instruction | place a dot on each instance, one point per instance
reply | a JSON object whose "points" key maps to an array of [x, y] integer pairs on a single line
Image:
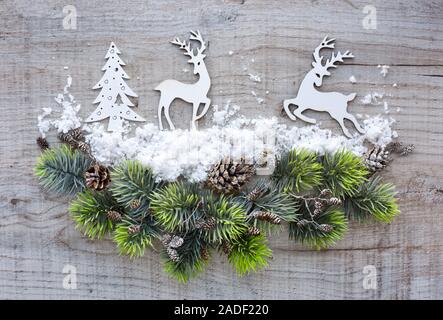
{"points": [[37, 237]]}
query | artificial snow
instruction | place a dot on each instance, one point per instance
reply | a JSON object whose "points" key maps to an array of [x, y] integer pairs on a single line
{"points": [[67, 113], [352, 79], [191, 153], [384, 70], [372, 98], [254, 77]]}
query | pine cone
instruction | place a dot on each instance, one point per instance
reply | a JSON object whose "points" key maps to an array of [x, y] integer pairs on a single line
{"points": [[134, 229], [68, 139], [377, 159], [42, 143], [228, 176], [226, 247], [334, 201], [205, 224], [255, 194], [135, 204], [173, 254], [254, 231], [77, 134], [326, 228], [97, 177], [204, 252], [399, 147], [114, 216], [176, 242], [267, 216]]}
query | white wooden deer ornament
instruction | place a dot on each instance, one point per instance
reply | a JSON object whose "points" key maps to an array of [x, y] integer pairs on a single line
{"points": [[195, 93], [309, 98]]}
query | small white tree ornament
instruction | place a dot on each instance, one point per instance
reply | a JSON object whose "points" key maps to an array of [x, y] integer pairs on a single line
{"points": [[309, 98], [195, 93], [113, 98]]}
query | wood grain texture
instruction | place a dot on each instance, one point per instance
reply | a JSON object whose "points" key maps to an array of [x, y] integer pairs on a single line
{"points": [[37, 237]]}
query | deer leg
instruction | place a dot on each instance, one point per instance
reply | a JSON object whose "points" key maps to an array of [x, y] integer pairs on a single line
{"points": [[161, 109], [207, 103], [341, 121], [286, 105], [297, 113], [351, 118], [195, 107], [168, 118]]}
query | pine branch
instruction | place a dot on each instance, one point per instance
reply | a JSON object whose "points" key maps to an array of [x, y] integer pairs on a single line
{"points": [[188, 259], [176, 206], [298, 170], [249, 253], [229, 219], [373, 199], [60, 170], [133, 182], [90, 210], [343, 173], [134, 236], [321, 230], [264, 197]]}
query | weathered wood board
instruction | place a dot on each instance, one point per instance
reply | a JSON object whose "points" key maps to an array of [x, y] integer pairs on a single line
{"points": [[37, 237]]}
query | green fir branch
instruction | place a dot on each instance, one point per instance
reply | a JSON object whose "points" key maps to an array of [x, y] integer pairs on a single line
{"points": [[229, 218], [298, 170], [249, 253], [320, 231], [264, 196], [133, 181], [133, 236], [190, 261], [373, 199], [89, 211], [176, 206], [343, 173], [60, 170]]}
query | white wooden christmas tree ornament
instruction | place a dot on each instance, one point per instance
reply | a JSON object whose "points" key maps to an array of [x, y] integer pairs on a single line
{"points": [[195, 93], [113, 101], [309, 98]]}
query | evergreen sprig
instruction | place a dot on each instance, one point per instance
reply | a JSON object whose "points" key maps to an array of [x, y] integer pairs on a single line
{"points": [[343, 173], [190, 261], [89, 211], [264, 196], [60, 170], [249, 253], [298, 170], [229, 218], [177, 206], [320, 231], [373, 199], [133, 181], [134, 236]]}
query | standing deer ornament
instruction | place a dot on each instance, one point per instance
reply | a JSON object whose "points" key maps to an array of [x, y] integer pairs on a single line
{"points": [[195, 93], [309, 98]]}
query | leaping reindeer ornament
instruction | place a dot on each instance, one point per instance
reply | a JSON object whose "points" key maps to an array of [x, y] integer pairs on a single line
{"points": [[308, 97], [195, 93]]}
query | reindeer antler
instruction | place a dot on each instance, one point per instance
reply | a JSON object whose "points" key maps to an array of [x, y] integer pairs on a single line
{"points": [[184, 46], [337, 58], [325, 43], [198, 37]]}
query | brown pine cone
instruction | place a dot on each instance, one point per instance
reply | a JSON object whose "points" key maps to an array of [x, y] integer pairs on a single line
{"points": [[97, 177], [134, 229], [226, 247], [114, 216], [173, 254], [267, 216], [254, 231], [228, 176], [377, 159], [205, 224], [135, 204], [326, 228], [42, 143], [204, 252]]}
